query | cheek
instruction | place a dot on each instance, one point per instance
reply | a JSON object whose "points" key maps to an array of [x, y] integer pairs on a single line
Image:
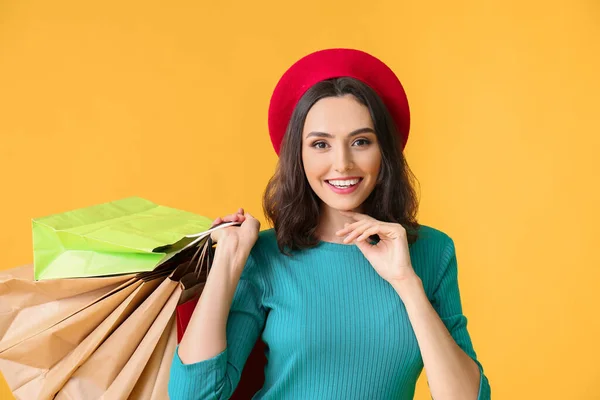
{"points": [[376, 166], [314, 168], [371, 163]]}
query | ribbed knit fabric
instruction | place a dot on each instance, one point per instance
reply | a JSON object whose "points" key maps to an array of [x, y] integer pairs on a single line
{"points": [[334, 329]]}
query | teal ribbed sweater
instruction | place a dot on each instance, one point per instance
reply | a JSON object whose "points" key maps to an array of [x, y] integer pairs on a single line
{"points": [[333, 327]]}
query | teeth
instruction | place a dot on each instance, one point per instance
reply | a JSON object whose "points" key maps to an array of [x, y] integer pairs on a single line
{"points": [[349, 182]]}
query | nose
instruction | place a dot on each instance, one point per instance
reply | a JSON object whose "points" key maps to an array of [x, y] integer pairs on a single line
{"points": [[343, 160]]}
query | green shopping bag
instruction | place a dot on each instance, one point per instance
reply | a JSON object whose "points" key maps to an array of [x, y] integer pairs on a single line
{"points": [[124, 236]]}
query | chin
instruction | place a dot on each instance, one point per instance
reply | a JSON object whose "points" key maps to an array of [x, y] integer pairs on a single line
{"points": [[343, 206]]}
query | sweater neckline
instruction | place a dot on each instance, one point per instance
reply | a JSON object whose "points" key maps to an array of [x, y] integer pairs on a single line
{"points": [[338, 247]]}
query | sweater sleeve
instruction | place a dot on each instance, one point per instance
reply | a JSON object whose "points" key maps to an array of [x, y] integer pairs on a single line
{"points": [[217, 377], [447, 303]]}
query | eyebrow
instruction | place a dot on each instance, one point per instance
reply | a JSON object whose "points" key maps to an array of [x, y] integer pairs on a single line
{"points": [[329, 135]]}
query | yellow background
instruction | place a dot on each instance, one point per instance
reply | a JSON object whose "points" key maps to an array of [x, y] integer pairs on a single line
{"points": [[168, 101]]}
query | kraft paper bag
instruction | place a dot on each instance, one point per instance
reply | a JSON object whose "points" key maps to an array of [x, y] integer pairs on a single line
{"points": [[192, 284], [28, 307], [154, 380], [31, 359], [124, 383], [62, 371], [30, 368], [79, 322], [95, 376], [118, 237]]}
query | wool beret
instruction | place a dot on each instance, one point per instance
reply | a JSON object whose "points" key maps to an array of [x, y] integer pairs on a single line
{"points": [[334, 63]]}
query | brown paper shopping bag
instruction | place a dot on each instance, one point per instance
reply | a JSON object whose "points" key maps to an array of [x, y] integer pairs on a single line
{"points": [[29, 364], [56, 377], [28, 307], [92, 379], [111, 336], [122, 386], [154, 380]]}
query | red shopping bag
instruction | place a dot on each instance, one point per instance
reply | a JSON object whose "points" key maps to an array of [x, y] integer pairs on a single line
{"points": [[184, 314], [253, 375]]}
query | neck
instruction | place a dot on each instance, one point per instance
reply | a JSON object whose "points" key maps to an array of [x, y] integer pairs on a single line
{"points": [[330, 222]]}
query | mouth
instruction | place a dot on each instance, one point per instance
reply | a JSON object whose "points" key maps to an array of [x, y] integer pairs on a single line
{"points": [[344, 186]]}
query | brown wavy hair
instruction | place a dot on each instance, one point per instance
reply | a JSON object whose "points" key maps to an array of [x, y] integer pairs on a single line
{"points": [[293, 208]]}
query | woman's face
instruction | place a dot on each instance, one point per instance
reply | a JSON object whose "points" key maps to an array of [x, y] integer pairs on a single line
{"points": [[340, 152]]}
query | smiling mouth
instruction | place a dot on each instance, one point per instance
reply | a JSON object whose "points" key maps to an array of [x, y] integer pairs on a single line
{"points": [[345, 186]]}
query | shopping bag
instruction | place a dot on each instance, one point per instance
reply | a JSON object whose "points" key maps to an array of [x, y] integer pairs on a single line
{"points": [[27, 307], [113, 340], [30, 362], [118, 237], [154, 381], [184, 315], [253, 375], [38, 365], [193, 284], [122, 386], [94, 377], [56, 377]]}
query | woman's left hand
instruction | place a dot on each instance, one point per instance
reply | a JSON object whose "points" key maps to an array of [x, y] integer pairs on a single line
{"points": [[390, 256]]}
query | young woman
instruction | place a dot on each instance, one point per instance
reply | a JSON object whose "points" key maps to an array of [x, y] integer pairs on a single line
{"points": [[351, 296]]}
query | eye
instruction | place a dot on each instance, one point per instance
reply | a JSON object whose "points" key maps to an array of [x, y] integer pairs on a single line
{"points": [[317, 145], [365, 141]]}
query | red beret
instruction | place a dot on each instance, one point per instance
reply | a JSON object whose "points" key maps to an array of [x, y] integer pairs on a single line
{"points": [[335, 63]]}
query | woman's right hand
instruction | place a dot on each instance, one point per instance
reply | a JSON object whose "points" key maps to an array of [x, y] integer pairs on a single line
{"points": [[240, 237]]}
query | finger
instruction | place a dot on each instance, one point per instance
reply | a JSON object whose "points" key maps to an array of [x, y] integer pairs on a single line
{"points": [[351, 227], [250, 224], [228, 218], [216, 235], [357, 232], [369, 232], [232, 217]]}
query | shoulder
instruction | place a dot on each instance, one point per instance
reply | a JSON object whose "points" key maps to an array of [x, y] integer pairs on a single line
{"points": [[262, 257], [267, 236], [266, 244], [264, 249], [431, 254], [431, 238]]}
